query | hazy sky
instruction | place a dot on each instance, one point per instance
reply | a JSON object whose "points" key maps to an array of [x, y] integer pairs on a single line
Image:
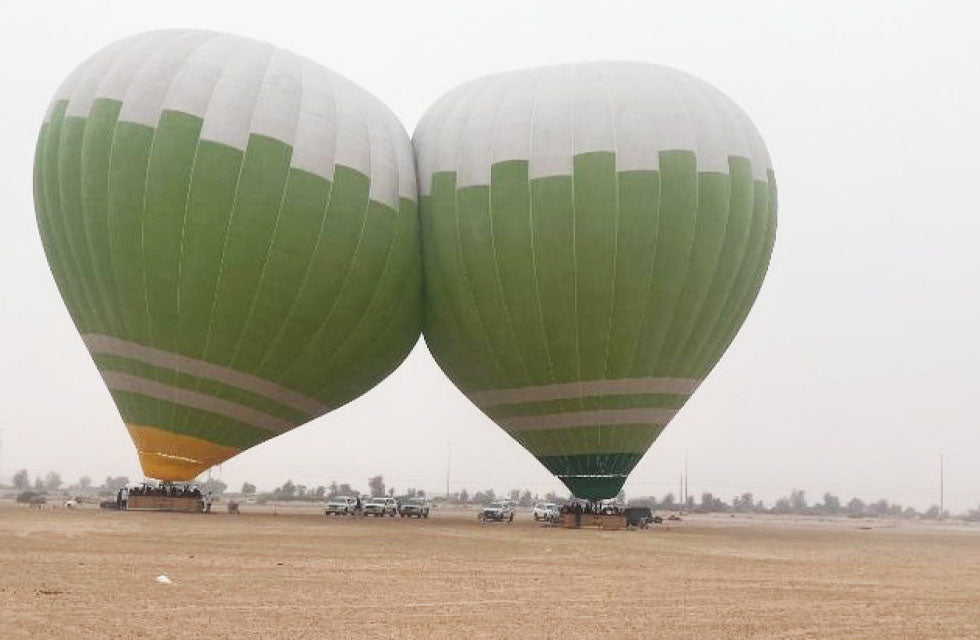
{"points": [[857, 367]]}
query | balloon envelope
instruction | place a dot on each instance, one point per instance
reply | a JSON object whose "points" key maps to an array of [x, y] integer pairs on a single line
{"points": [[234, 231], [593, 237]]}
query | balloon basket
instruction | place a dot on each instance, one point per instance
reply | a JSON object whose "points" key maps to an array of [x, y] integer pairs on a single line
{"points": [[606, 522], [186, 504]]}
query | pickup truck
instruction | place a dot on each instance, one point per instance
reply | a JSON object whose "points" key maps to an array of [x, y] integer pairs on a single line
{"points": [[499, 511], [545, 511], [380, 507], [341, 506], [414, 508]]}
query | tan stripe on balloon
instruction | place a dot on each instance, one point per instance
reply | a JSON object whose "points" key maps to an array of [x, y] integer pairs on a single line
{"points": [[108, 345], [599, 417], [583, 388], [118, 381]]}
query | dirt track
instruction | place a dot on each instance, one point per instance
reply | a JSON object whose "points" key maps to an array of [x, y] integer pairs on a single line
{"points": [[89, 574]]}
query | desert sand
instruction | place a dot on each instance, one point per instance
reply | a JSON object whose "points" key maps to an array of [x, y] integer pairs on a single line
{"points": [[291, 573]]}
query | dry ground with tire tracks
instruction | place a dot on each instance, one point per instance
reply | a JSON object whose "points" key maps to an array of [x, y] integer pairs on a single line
{"points": [[298, 575]]}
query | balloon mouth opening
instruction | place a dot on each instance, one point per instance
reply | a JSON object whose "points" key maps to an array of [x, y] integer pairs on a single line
{"points": [[175, 457], [594, 486]]}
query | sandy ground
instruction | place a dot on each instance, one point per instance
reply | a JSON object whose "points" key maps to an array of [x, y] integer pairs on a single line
{"points": [[297, 575]]}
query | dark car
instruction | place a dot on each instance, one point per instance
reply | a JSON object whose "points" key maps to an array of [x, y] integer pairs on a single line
{"points": [[641, 517]]}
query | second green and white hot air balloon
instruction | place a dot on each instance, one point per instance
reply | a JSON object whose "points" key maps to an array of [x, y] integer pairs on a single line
{"points": [[234, 231], [593, 237]]}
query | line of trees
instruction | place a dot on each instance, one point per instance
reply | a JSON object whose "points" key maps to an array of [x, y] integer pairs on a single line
{"points": [[291, 491], [796, 504], [52, 482]]}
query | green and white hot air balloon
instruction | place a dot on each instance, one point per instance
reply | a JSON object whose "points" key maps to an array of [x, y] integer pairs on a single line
{"points": [[593, 236], [234, 231]]}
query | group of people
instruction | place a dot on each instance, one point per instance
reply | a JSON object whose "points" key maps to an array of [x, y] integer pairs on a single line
{"points": [[161, 491], [166, 491], [591, 508]]}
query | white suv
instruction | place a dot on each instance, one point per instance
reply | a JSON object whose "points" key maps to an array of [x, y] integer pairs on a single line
{"points": [[341, 506], [380, 507], [546, 511]]}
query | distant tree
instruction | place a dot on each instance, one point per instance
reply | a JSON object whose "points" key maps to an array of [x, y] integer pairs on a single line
{"points": [[482, 497], [744, 503], [689, 503], [895, 511], [420, 493], [551, 496], [707, 501], [318, 492], [464, 496], [332, 489], [391, 492], [760, 507], [668, 501], [345, 489], [797, 501], [287, 491], [248, 489], [52, 481], [526, 499], [855, 507], [30, 497], [782, 506], [85, 482], [910, 512], [932, 513], [215, 486], [713, 504], [21, 480], [878, 509], [39, 484], [301, 492], [112, 485], [377, 486], [515, 495], [831, 503]]}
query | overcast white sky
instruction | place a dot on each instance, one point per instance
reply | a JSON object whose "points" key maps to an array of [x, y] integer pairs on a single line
{"points": [[857, 368]]}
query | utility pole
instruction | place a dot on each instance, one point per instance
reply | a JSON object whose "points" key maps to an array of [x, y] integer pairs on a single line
{"points": [[680, 494], [685, 476], [942, 489]]}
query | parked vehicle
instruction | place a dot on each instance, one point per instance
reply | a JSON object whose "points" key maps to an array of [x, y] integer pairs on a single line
{"points": [[498, 511], [641, 517], [341, 506], [545, 511], [380, 507], [414, 508], [611, 507]]}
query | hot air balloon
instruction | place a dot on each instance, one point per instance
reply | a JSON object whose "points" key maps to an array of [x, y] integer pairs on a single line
{"points": [[234, 231], [593, 236]]}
